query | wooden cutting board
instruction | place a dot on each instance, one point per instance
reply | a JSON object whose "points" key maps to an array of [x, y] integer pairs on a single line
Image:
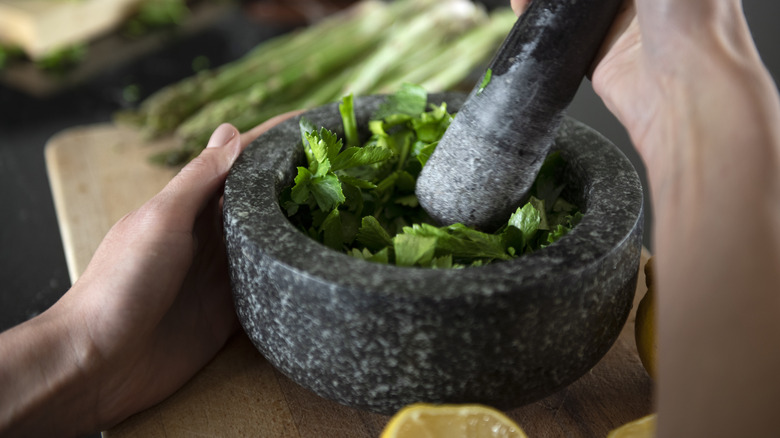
{"points": [[39, 26], [99, 173]]}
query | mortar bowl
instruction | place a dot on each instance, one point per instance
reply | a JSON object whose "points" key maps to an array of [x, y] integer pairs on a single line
{"points": [[379, 337]]}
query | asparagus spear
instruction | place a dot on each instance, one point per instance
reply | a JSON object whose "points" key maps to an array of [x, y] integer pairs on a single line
{"points": [[463, 56], [372, 48], [166, 109], [413, 42], [333, 52]]}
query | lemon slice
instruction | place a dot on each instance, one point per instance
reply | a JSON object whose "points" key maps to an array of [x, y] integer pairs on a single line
{"points": [[421, 420], [641, 428], [646, 342]]}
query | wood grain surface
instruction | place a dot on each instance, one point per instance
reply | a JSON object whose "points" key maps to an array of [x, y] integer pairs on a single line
{"points": [[99, 173]]}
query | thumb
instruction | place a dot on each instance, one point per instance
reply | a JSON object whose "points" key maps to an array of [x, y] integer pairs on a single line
{"points": [[201, 179], [519, 6]]}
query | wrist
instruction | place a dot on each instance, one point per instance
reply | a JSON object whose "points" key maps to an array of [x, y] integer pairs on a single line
{"points": [[45, 378]]}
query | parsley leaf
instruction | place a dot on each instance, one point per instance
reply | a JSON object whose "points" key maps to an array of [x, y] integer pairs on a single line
{"points": [[327, 191], [409, 100], [360, 199], [527, 220], [360, 156], [413, 249], [372, 235]]}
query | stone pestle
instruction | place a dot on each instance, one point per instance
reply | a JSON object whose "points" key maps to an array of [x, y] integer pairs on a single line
{"points": [[486, 163]]}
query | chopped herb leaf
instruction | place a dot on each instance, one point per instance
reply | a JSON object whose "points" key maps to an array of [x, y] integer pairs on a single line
{"points": [[409, 100], [485, 81], [412, 249], [349, 121], [361, 199]]}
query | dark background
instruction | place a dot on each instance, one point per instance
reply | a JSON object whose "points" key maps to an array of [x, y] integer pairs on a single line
{"points": [[33, 272]]}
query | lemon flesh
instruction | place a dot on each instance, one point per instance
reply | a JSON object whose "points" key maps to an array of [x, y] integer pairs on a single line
{"points": [[422, 420], [644, 328], [641, 428]]}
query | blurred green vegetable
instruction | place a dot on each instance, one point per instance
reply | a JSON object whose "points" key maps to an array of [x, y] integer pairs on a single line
{"points": [[156, 14], [372, 47], [9, 54], [61, 60]]}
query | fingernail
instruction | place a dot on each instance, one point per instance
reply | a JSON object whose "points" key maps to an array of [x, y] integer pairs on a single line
{"points": [[221, 136]]}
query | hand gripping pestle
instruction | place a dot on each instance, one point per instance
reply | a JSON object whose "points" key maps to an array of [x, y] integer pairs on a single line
{"points": [[488, 158]]}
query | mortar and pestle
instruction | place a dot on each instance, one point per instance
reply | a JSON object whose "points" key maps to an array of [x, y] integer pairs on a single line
{"points": [[379, 337]]}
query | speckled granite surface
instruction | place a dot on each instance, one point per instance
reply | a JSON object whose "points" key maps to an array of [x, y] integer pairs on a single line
{"points": [[379, 337], [487, 161]]}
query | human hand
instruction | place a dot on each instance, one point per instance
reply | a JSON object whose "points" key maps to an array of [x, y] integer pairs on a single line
{"points": [[663, 56], [150, 310], [685, 79], [155, 300]]}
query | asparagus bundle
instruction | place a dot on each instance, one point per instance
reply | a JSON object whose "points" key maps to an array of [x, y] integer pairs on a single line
{"points": [[372, 47]]}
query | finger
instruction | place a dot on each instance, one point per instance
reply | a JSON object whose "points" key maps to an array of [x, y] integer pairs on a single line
{"points": [[625, 15], [519, 6], [182, 199], [200, 180], [252, 134]]}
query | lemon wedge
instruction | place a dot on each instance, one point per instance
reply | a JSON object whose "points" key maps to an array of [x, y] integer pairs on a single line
{"points": [[422, 420], [644, 328], [641, 428]]}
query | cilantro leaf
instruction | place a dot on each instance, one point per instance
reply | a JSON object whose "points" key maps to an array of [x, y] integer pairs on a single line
{"points": [[411, 249], [331, 229], [364, 195], [409, 100], [327, 192], [356, 182], [526, 219], [539, 205], [372, 235], [306, 127], [320, 166], [360, 156], [424, 152], [443, 262], [379, 257], [563, 228], [407, 201], [302, 188], [461, 241], [430, 126]]}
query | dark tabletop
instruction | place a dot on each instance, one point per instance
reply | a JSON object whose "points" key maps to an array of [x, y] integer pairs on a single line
{"points": [[33, 272]]}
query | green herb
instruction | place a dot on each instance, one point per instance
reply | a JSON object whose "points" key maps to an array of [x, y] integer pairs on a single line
{"points": [[350, 123], [409, 100], [485, 81], [61, 60], [156, 14], [4, 56], [361, 199], [10, 54], [372, 47]]}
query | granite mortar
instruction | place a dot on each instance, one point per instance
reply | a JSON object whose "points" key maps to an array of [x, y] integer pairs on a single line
{"points": [[379, 337]]}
